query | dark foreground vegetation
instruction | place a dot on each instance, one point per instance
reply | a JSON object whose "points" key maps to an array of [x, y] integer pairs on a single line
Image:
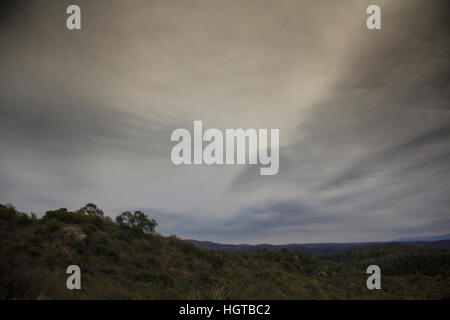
{"points": [[126, 259]]}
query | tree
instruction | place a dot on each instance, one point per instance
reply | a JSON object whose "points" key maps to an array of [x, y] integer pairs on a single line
{"points": [[92, 210], [137, 221]]}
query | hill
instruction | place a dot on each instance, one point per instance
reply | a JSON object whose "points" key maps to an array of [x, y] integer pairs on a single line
{"points": [[127, 259], [442, 237], [321, 249]]}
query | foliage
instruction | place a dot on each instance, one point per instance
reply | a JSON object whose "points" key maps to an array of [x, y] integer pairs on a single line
{"points": [[129, 260], [138, 221], [91, 209]]}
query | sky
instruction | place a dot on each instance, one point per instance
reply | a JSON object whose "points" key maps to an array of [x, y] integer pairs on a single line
{"points": [[364, 115]]}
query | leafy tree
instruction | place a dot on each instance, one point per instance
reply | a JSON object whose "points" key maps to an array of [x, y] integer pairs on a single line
{"points": [[91, 209], [137, 221]]}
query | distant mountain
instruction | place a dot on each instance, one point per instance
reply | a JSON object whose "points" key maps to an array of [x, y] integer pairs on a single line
{"points": [[433, 238], [320, 249], [441, 244]]}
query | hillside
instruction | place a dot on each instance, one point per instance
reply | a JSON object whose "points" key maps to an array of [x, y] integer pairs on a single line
{"points": [[321, 249], [127, 259]]}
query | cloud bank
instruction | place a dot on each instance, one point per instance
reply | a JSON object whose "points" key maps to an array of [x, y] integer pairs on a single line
{"points": [[363, 115]]}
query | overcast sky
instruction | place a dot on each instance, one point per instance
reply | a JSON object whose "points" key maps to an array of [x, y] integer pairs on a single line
{"points": [[364, 116]]}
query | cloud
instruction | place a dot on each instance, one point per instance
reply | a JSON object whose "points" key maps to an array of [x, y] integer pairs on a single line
{"points": [[363, 115]]}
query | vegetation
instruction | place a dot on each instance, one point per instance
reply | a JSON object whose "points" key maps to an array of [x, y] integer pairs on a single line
{"points": [[127, 259]]}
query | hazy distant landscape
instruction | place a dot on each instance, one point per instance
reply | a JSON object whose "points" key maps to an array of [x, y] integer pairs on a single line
{"points": [[128, 259], [321, 249]]}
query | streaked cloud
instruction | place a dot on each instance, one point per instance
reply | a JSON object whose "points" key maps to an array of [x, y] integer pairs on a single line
{"points": [[363, 115]]}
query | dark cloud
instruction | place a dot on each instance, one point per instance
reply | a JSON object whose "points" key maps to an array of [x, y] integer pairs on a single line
{"points": [[409, 156], [379, 140], [253, 222], [13, 13]]}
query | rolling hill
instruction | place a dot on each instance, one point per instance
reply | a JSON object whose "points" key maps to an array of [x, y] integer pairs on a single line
{"points": [[321, 249], [127, 259]]}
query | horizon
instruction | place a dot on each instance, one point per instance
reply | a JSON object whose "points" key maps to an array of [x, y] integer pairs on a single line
{"points": [[410, 238], [344, 242]]}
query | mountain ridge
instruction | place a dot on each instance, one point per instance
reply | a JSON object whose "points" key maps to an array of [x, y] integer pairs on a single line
{"points": [[424, 239], [322, 249]]}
